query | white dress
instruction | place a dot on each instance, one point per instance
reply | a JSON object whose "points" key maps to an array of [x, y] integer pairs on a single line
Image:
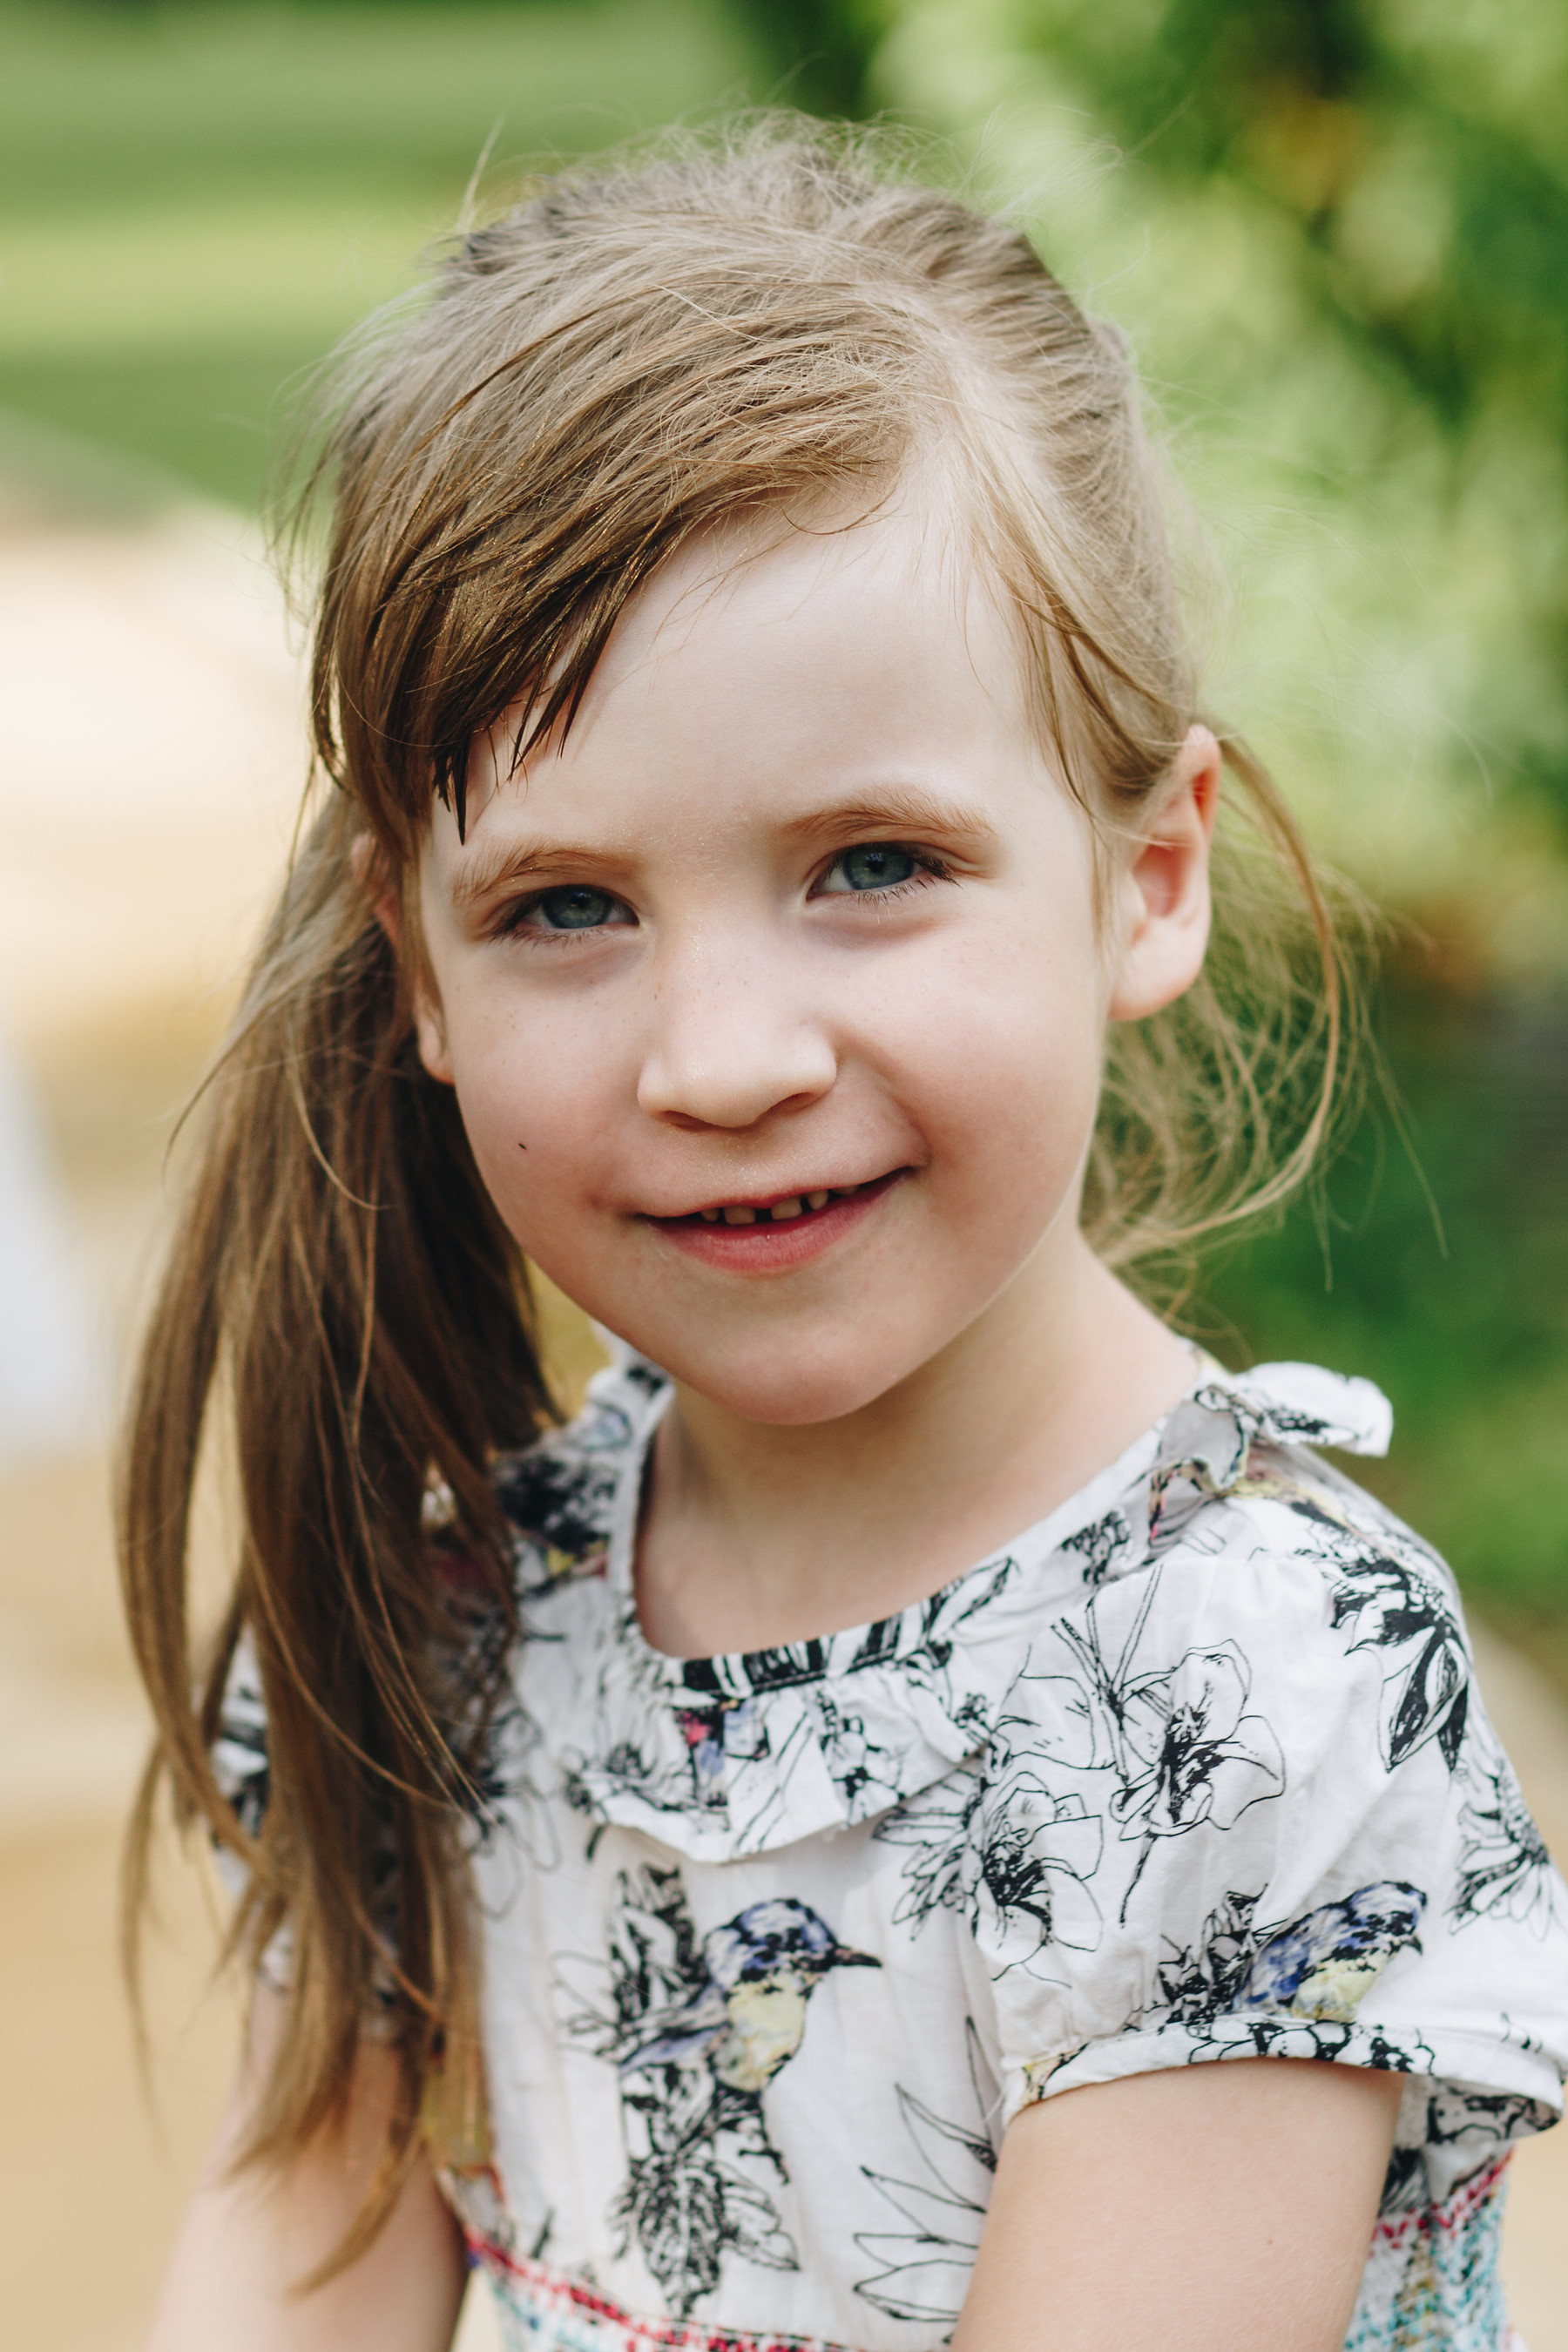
{"points": [[776, 1945]]}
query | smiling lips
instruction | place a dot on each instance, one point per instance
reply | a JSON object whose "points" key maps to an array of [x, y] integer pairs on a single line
{"points": [[792, 1204], [733, 1232]]}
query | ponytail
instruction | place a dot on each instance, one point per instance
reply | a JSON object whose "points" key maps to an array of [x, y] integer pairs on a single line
{"points": [[342, 1286]]}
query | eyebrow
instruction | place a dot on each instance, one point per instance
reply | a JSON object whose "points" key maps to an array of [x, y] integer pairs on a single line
{"points": [[490, 870], [897, 809]]}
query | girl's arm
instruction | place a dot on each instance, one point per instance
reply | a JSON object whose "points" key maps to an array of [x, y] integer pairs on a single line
{"points": [[1224, 2208], [247, 2240]]}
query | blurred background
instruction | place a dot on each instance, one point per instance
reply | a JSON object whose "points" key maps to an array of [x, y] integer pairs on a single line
{"points": [[1337, 233]]}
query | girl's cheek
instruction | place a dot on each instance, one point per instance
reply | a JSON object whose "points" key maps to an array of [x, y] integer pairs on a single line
{"points": [[536, 1113], [1012, 1064]]}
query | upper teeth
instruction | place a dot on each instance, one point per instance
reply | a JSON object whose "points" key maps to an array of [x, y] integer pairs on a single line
{"points": [[780, 1210]]}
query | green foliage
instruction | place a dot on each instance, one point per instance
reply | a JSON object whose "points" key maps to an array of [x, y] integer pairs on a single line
{"points": [[820, 52], [1416, 156]]}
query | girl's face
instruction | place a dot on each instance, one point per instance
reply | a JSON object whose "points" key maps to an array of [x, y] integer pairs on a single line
{"points": [[775, 1000]]}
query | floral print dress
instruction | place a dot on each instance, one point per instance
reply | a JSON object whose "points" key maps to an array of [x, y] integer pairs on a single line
{"points": [[776, 1945]]}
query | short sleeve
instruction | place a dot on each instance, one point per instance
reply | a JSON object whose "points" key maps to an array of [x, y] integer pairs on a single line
{"points": [[1245, 1802]]}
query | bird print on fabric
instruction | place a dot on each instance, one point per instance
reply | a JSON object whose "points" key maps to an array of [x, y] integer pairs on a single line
{"points": [[698, 2029], [1325, 1964], [748, 2015], [1319, 1967]]}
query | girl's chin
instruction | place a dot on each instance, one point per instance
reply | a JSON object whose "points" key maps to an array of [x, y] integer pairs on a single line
{"points": [[792, 1393]]}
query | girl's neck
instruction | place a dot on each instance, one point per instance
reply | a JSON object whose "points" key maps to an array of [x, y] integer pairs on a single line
{"points": [[755, 1535]]}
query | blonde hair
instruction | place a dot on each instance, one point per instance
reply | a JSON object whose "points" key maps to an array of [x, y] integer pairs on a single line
{"points": [[637, 352]]}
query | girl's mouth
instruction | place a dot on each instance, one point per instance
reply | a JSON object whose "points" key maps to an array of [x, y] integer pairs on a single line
{"points": [[777, 1232]]}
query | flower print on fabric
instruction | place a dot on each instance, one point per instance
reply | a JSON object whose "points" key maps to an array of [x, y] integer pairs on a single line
{"points": [[1394, 1596], [717, 1755], [925, 2265], [1101, 1546], [697, 2030], [1399, 1608], [1182, 1748], [1393, 1593], [992, 1838], [559, 1498], [1210, 1442], [1504, 1866]]}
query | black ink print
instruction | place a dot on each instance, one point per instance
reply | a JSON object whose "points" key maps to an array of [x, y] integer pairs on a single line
{"points": [[991, 1835], [1282, 2035], [1481, 2121], [1098, 1546], [864, 1770], [1185, 1749], [697, 2030], [1205, 1982], [1401, 1609], [926, 2264], [559, 1498], [1504, 1866]]}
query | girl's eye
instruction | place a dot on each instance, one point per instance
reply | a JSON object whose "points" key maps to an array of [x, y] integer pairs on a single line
{"points": [[572, 907], [871, 865]]}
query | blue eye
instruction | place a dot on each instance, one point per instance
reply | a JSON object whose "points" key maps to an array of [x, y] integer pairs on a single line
{"points": [[876, 866], [575, 907]]}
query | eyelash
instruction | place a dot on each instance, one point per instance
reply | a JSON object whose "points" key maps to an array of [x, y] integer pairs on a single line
{"points": [[511, 925], [930, 868]]}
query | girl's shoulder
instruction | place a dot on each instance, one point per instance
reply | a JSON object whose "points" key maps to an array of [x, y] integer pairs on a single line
{"points": [[561, 1495], [1238, 1575]]}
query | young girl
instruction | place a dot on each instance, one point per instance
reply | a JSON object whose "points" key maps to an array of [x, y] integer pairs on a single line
{"points": [[773, 1863]]}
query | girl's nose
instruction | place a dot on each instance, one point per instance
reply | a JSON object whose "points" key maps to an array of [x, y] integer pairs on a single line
{"points": [[730, 1045]]}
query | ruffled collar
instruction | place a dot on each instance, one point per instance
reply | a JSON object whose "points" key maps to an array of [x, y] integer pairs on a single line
{"points": [[727, 1756]]}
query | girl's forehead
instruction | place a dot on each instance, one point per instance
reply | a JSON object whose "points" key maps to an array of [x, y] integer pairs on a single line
{"points": [[906, 546], [781, 643]]}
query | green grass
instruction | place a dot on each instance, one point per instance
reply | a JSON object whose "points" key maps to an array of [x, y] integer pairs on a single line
{"points": [[196, 203]]}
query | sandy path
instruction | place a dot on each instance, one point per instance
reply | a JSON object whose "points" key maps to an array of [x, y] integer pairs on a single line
{"points": [[150, 766]]}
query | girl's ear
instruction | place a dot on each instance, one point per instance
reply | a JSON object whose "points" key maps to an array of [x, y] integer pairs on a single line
{"points": [[1162, 893], [430, 1028]]}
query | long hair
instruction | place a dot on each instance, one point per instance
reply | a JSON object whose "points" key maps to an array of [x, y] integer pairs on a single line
{"points": [[767, 319]]}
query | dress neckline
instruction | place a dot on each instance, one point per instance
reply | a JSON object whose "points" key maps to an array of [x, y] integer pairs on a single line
{"points": [[738, 1670], [741, 1751]]}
